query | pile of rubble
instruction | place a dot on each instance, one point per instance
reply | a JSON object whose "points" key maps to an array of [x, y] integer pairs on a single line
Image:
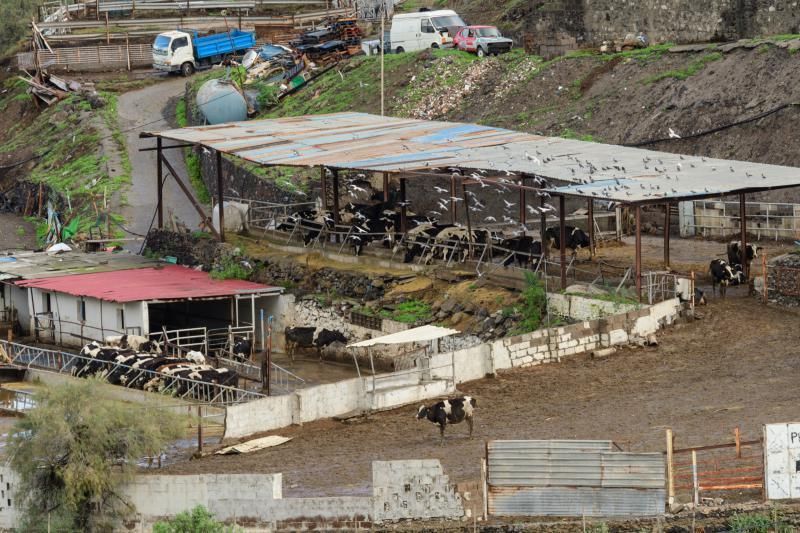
{"points": [[461, 82], [784, 280], [49, 88]]}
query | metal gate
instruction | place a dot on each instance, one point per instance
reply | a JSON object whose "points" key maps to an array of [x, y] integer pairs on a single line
{"points": [[572, 478]]}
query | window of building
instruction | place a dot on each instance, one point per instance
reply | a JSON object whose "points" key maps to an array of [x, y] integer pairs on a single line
{"points": [[121, 319], [82, 310], [46, 302]]}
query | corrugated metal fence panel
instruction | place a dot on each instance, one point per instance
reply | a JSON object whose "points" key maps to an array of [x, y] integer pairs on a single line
{"points": [[140, 54], [575, 501], [573, 478], [546, 463], [633, 470]]}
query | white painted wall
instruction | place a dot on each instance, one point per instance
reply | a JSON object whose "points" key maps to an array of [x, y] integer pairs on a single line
{"points": [[584, 308]]}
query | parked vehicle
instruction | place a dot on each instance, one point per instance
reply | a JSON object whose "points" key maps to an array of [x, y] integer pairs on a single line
{"points": [[482, 40], [184, 52], [425, 29]]}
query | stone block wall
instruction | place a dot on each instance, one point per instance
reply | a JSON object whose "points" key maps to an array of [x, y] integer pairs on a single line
{"points": [[416, 489], [681, 21]]}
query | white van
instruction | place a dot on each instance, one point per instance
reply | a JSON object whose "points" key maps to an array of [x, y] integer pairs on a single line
{"points": [[426, 29]]}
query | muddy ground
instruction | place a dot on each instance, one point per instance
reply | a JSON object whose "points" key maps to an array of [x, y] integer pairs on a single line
{"points": [[16, 233], [735, 366]]}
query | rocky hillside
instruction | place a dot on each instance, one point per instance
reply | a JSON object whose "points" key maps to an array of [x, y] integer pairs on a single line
{"points": [[623, 98]]}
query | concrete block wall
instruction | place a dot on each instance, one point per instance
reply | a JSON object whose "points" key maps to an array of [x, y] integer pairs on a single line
{"points": [[584, 308], [416, 489]]}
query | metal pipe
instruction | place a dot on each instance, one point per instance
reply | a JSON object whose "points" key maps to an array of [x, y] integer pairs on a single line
{"points": [[562, 245], [743, 248], [543, 229], [220, 199], [159, 183], [403, 225], [323, 187], [335, 173], [453, 198], [590, 214], [522, 214], [638, 268], [385, 186], [666, 235]]}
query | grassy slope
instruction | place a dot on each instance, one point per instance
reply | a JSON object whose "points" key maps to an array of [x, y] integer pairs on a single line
{"points": [[67, 149]]}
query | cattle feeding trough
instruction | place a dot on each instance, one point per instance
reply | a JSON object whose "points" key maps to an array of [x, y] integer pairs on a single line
{"points": [[535, 167], [193, 388]]}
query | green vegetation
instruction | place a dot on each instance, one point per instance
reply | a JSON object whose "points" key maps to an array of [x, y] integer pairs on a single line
{"points": [[355, 85], [409, 312], [771, 522], [229, 268], [20, 231], [16, 16], [534, 302], [192, 158], [180, 113], [75, 449], [568, 133], [199, 520], [691, 69]]}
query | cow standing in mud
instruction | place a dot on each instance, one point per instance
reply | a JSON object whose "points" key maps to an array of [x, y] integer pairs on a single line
{"points": [[451, 411]]}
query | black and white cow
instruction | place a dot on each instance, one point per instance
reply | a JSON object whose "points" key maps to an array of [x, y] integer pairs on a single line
{"points": [[310, 337], [734, 250], [576, 238], [137, 343], [724, 274], [420, 240], [450, 411], [242, 348], [523, 249]]}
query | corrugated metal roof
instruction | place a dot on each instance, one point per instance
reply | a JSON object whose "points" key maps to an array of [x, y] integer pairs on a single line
{"points": [[373, 143], [34, 265], [169, 282]]}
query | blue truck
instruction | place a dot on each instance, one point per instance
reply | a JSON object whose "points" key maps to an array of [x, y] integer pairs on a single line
{"points": [[186, 52]]}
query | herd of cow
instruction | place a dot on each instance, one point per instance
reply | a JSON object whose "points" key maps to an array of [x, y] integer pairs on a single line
{"points": [[426, 239], [731, 272], [137, 362]]}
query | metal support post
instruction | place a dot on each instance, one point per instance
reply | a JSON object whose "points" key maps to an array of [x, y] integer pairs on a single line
{"points": [[403, 224], [743, 224], [160, 183], [638, 268], [666, 235], [220, 198], [590, 214], [562, 245]]}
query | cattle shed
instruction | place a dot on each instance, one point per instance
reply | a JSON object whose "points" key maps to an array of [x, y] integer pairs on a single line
{"points": [[533, 166], [74, 297]]}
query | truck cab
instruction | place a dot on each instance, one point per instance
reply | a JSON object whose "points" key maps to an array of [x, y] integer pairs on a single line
{"points": [[173, 52]]}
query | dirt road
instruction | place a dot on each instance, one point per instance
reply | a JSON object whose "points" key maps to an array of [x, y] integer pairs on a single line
{"points": [[735, 366], [145, 109]]}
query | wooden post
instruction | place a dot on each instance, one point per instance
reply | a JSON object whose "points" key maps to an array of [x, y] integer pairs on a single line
{"points": [[691, 276], [743, 224], [323, 187], [452, 199], [335, 173], [41, 199], [666, 236], [670, 470], [220, 201], [590, 215], [385, 186], [543, 229], [695, 486], [639, 252], [199, 429], [128, 50], [466, 213], [108, 35], [737, 438], [403, 224], [563, 239], [160, 183], [522, 214], [765, 274]]}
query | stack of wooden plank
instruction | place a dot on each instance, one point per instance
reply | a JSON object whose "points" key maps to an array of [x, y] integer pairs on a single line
{"points": [[48, 88]]}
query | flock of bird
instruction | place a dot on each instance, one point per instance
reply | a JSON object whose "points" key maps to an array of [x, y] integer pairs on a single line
{"points": [[607, 181]]}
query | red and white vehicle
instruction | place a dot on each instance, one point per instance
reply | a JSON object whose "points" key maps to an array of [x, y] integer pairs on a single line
{"points": [[482, 40]]}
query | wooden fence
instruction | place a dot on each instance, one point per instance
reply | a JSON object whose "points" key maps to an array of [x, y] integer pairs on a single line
{"points": [[730, 466], [91, 57]]}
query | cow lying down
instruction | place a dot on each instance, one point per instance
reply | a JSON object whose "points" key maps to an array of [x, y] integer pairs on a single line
{"points": [[451, 411]]}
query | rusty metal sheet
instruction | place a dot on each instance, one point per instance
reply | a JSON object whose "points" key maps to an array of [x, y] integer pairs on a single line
{"points": [[367, 142], [572, 478]]}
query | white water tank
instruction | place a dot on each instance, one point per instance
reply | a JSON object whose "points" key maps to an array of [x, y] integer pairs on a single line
{"points": [[220, 101]]}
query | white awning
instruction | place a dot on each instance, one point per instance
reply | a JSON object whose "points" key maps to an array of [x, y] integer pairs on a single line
{"points": [[420, 334]]}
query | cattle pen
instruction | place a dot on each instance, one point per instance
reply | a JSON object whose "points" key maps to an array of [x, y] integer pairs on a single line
{"points": [[526, 168]]}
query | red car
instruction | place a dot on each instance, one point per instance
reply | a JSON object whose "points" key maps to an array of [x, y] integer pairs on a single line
{"points": [[482, 40]]}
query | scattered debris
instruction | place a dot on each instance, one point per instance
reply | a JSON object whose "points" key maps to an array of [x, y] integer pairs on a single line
{"points": [[253, 445], [49, 88]]}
